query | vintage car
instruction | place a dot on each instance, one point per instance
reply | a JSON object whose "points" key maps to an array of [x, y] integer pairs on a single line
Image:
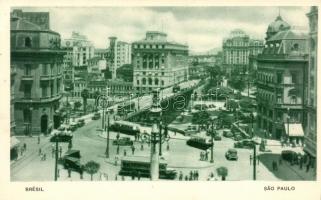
{"points": [[96, 116], [81, 122], [247, 144], [125, 141], [231, 154], [73, 126], [71, 160], [227, 133]]}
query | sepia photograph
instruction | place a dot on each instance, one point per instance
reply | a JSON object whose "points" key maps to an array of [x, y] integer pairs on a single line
{"points": [[163, 93]]}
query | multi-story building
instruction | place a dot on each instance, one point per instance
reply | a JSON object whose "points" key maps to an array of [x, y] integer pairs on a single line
{"points": [[68, 68], [236, 50], [280, 83], [83, 49], [37, 59], [119, 53], [79, 85], [101, 53], [311, 97], [158, 63]]}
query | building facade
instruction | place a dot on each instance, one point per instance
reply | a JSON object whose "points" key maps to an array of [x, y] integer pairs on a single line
{"points": [[158, 63], [236, 51], [68, 68], [83, 49], [311, 100], [119, 53], [281, 70], [37, 59]]}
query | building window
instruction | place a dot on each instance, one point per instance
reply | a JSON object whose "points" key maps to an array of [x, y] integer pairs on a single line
{"points": [[27, 115], [294, 77], [162, 82], [150, 81], [144, 61], [27, 91], [137, 82], [163, 73], [51, 89], [44, 69], [293, 100], [144, 81], [156, 81], [27, 70], [44, 92], [279, 77], [28, 42]]}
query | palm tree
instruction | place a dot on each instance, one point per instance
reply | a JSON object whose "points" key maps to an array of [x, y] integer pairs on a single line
{"points": [[223, 172], [91, 168], [85, 95]]}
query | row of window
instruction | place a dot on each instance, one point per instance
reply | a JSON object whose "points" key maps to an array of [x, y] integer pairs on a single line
{"points": [[54, 69], [152, 74], [150, 46], [44, 89], [150, 81]]}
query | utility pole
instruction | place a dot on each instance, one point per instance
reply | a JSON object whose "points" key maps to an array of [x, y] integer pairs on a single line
{"points": [[107, 127], [56, 159], [160, 138]]}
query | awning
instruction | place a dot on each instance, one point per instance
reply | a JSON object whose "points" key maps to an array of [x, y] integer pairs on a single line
{"points": [[14, 142], [296, 130]]}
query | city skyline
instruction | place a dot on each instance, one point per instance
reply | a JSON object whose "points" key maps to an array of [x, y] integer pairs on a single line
{"points": [[182, 24]]}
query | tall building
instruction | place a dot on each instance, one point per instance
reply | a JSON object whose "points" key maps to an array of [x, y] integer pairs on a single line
{"points": [[280, 83], [83, 49], [311, 100], [37, 59], [119, 54], [68, 68], [236, 50], [158, 63]]}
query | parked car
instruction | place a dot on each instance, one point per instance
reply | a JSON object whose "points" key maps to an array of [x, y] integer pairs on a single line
{"points": [[227, 133], [191, 129], [217, 138], [289, 155], [73, 126], [81, 122], [231, 154], [125, 141], [96, 116]]}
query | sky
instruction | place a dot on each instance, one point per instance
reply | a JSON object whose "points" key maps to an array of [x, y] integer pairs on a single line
{"points": [[202, 28]]}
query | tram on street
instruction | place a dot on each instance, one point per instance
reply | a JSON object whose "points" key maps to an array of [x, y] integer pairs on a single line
{"points": [[125, 127], [199, 143], [140, 166]]}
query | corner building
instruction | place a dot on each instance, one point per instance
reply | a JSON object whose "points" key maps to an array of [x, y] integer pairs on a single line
{"points": [[37, 59], [158, 63], [311, 100], [281, 71]]}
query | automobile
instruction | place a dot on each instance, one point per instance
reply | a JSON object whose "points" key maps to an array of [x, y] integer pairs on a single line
{"points": [[199, 143], [247, 144], [289, 155], [71, 160], [231, 154], [227, 133], [200, 107], [124, 141], [81, 122], [73, 126], [217, 138], [96, 116], [191, 129]]}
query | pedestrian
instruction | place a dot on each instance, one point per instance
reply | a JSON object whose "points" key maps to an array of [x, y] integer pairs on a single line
{"points": [[133, 149], [116, 177], [60, 151], [133, 175], [117, 150], [206, 155], [116, 160], [308, 167], [201, 155], [186, 178], [21, 151], [117, 136], [69, 173], [25, 146], [138, 175], [38, 139], [197, 174], [39, 151], [301, 162], [125, 153], [44, 156], [167, 147], [180, 177], [142, 147], [52, 152], [250, 159], [122, 178]]}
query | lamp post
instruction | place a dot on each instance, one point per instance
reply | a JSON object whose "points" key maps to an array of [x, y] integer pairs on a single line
{"points": [[254, 161], [213, 118], [252, 120], [56, 157]]}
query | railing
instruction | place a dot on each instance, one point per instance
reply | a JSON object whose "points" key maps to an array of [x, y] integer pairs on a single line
{"points": [[27, 78]]}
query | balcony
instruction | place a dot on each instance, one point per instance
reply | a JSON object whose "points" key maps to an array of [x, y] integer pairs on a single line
{"points": [[39, 100], [45, 77], [27, 78]]}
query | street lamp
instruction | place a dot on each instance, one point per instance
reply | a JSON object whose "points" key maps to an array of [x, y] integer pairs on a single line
{"points": [[107, 137], [252, 120]]}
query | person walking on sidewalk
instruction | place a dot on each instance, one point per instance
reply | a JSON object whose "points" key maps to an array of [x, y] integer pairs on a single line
{"points": [[24, 146], [117, 150], [39, 151], [133, 149], [38, 139], [250, 159]]}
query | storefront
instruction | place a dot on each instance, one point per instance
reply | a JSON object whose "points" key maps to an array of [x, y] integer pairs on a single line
{"points": [[294, 133]]}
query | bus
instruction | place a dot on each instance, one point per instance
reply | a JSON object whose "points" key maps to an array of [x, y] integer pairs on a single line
{"points": [[199, 143], [125, 108], [134, 165], [125, 127]]}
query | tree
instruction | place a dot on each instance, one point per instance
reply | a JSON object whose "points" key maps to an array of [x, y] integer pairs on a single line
{"points": [[201, 117], [237, 82], [91, 168], [77, 105], [85, 95], [223, 172]]}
